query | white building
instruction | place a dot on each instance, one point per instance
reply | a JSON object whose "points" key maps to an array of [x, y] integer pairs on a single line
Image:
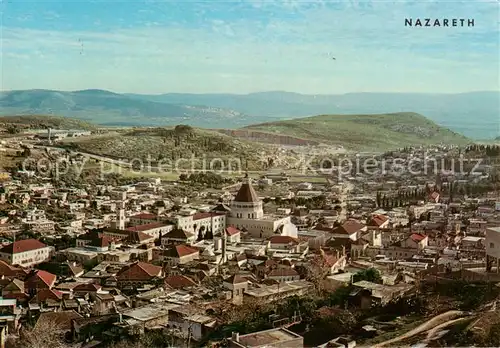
{"points": [[247, 214], [492, 242], [26, 253]]}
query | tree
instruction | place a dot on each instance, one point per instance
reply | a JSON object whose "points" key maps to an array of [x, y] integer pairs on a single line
{"points": [[370, 275], [13, 129]]}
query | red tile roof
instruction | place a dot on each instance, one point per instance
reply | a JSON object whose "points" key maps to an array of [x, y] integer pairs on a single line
{"points": [[231, 231], [150, 269], [349, 227], [21, 246], [179, 281], [377, 220], [146, 227], [47, 294], [36, 276], [7, 270], [46, 277], [139, 271], [200, 216], [144, 216], [184, 250], [417, 237], [236, 279], [283, 240]]}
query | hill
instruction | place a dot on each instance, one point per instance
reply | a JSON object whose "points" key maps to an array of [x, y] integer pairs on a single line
{"points": [[474, 114], [365, 132], [113, 109], [42, 121], [182, 147]]}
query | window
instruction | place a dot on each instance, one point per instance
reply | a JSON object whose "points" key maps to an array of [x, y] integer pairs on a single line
{"points": [[492, 245]]}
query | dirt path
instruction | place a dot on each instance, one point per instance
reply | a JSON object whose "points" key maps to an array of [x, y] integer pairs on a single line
{"points": [[428, 325]]}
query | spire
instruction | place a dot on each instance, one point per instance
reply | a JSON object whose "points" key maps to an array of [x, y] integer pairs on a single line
{"points": [[246, 193]]}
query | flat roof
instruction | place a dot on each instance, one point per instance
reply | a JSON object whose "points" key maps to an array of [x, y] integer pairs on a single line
{"points": [[268, 337], [149, 312]]}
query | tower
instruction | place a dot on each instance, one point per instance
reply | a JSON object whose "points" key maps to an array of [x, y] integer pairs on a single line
{"points": [[224, 245], [246, 204], [120, 219]]}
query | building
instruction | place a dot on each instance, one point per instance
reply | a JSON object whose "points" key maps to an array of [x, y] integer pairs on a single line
{"points": [[138, 274], [26, 253], [194, 223], [492, 242], [247, 214], [177, 255], [273, 338]]}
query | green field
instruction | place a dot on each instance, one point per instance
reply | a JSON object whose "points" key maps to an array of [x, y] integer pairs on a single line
{"points": [[366, 132]]}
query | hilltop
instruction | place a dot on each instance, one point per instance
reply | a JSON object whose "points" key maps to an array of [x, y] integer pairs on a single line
{"points": [[43, 121], [365, 132], [168, 145], [474, 114]]}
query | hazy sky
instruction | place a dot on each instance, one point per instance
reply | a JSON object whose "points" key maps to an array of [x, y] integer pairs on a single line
{"points": [[248, 46]]}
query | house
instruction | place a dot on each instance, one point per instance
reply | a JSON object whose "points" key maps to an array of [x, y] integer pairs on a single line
{"points": [[351, 229], [233, 235], [177, 281], [8, 271], [177, 254], [153, 229], [273, 338], [39, 280], [417, 241], [190, 322], [48, 298], [378, 221], [492, 241], [177, 236], [137, 274], [26, 253], [237, 285], [283, 274], [367, 294], [15, 290], [142, 219], [284, 243]]}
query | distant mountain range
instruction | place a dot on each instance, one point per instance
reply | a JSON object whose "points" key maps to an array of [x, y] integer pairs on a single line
{"points": [[113, 109], [475, 114]]}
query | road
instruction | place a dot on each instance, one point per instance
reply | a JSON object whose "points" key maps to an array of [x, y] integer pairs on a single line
{"points": [[443, 318], [344, 194]]}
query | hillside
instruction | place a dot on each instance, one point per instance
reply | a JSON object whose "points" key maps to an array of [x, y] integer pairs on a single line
{"points": [[42, 121], [365, 132], [473, 114], [112, 109], [182, 144]]}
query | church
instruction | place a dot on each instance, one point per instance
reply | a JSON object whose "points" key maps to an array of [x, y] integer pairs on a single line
{"points": [[246, 213]]}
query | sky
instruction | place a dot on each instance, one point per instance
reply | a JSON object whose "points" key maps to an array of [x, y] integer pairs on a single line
{"points": [[246, 46]]}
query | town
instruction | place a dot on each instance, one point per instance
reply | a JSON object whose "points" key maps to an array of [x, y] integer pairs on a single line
{"points": [[334, 255]]}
